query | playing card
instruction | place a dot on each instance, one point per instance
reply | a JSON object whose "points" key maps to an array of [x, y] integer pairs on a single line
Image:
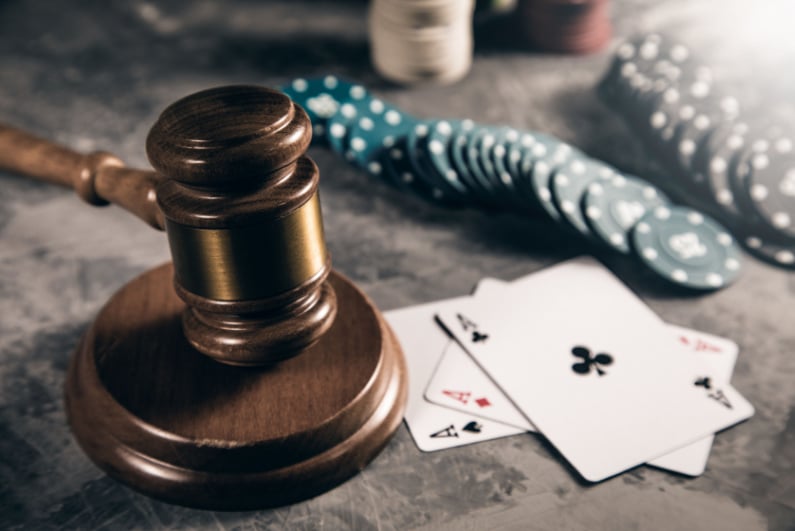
{"points": [[458, 383], [716, 354], [431, 426], [593, 368]]}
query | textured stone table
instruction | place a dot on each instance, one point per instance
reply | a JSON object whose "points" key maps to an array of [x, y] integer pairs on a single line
{"points": [[96, 77]]}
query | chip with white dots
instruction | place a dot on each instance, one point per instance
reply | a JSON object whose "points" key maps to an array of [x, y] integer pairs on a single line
{"points": [[613, 207], [686, 247]]}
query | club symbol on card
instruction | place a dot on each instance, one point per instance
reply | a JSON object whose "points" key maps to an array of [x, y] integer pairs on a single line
{"points": [[449, 431], [705, 382], [471, 326], [589, 362], [477, 337], [715, 394], [473, 427]]}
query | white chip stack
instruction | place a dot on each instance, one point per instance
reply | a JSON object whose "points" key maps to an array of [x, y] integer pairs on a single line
{"points": [[415, 41]]}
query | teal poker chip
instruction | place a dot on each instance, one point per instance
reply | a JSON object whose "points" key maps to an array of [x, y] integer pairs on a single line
{"points": [[539, 163], [503, 140], [738, 174], [516, 150], [439, 152], [371, 134], [506, 175], [686, 247], [612, 207], [339, 126], [493, 166], [780, 254], [771, 186], [398, 170], [569, 183], [321, 98], [416, 147], [724, 144], [457, 151], [473, 157]]}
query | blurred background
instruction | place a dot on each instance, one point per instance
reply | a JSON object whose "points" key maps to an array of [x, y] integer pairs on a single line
{"points": [[96, 74]]}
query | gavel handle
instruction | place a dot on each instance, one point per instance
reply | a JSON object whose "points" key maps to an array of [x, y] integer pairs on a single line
{"points": [[98, 178]]}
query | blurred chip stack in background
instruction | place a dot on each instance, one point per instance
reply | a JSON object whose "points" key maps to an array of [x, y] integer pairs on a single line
{"points": [[566, 26], [414, 41], [737, 166], [417, 41]]}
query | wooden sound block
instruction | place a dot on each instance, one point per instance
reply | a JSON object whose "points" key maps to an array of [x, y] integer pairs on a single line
{"points": [[172, 423]]}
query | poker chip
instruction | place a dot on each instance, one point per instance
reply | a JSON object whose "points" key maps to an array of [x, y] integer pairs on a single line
{"points": [[373, 133], [321, 98], [723, 146], [688, 138], [438, 146], [739, 176], [569, 183], [539, 163], [397, 167], [459, 156], [414, 41], [475, 161], [572, 26], [339, 126], [462, 163], [613, 206], [527, 142], [778, 254], [417, 148], [744, 176], [484, 147], [505, 174], [686, 247], [771, 186]]}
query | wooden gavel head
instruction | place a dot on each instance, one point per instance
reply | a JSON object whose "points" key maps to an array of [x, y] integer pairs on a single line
{"points": [[243, 219]]}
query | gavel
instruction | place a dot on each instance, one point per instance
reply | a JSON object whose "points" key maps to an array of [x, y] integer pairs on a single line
{"points": [[239, 203], [311, 382]]}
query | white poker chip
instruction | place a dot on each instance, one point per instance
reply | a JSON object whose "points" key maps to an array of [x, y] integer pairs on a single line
{"points": [[418, 41]]}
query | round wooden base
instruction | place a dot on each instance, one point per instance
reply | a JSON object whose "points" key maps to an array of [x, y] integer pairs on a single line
{"points": [[174, 424]]}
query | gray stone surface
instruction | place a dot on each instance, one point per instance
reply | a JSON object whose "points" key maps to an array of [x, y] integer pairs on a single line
{"points": [[95, 75]]}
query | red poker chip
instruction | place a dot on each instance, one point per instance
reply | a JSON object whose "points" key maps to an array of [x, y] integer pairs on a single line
{"points": [[570, 26]]}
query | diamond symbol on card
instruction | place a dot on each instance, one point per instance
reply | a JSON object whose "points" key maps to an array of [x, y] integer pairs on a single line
{"points": [[483, 402]]}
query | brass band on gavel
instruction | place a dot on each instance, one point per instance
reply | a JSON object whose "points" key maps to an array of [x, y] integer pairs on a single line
{"points": [[254, 261]]}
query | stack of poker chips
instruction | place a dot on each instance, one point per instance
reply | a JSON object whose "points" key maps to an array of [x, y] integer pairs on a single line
{"points": [[415, 41], [742, 172], [462, 163], [568, 26]]}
